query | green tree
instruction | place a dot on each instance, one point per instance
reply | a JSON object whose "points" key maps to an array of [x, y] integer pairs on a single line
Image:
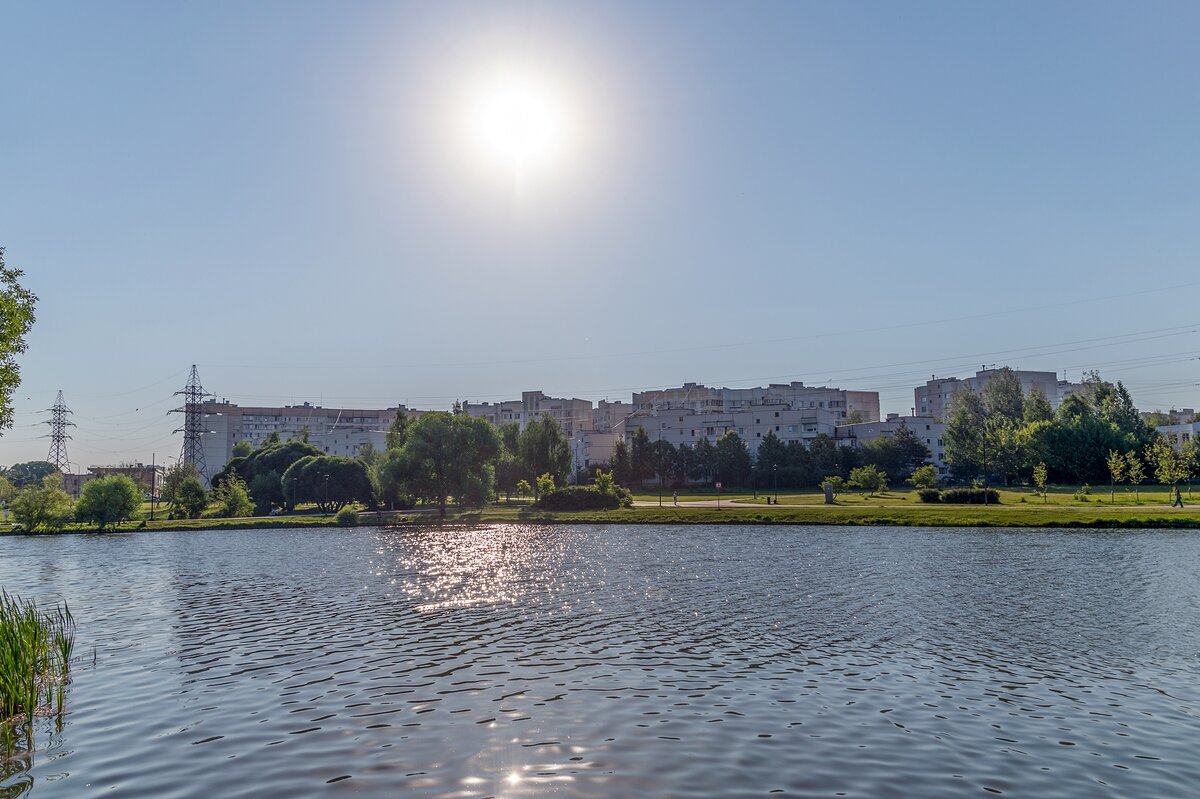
{"points": [[1003, 397], [32, 473], [264, 492], [924, 477], [272, 458], [444, 452], [662, 461], [16, 318], [1040, 473], [898, 454], [523, 489], [174, 476], [331, 482], [1135, 473], [1116, 472], [622, 467], [233, 500], [1037, 407], [545, 484], [1170, 467], [190, 499], [543, 449], [42, 507], [604, 482], [704, 456], [835, 483], [733, 460], [108, 501], [640, 457], [241, 449], [7, 490], [965, 448], [871, 479], [397, 432]]}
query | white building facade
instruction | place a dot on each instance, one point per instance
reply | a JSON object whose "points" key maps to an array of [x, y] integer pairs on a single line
{"points": [[927, 429], [933, 398], [571, 414]]}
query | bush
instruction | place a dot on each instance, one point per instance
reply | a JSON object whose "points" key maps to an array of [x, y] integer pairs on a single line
{"points": [[585, 498], [347, 517], [930, 495], [971, 496], [42, 508], [108, 501]]}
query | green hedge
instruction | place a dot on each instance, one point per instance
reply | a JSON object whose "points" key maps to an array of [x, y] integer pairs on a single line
{"points": [[929, 495], [971, 496], [585, 498]]}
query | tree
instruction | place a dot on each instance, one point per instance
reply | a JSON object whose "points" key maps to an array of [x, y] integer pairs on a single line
{"points": [[108, 501], [639, 456], [331, 482], [1003, 397], [32, 473], [445, 451], [704, 455], [241, 449], [264, 492], [622, 468], [545, 484], [1037, 407], [1116, 473], [898, 454], [1135, 473], [7, 490], [269, 462], [871, 479], [44, 506], [1170, 467], [604, 482], [172, 479], [523, 489], [397, 432], [733, 460], [16, 318], [662, 461], [543, 449], [233, 500], [965, 435], [190, 499], [1040, 474], [924, 477], [835, 484]]}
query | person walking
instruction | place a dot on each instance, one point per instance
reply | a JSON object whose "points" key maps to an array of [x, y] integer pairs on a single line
{"points": [[1178, 501], [675, 498]]}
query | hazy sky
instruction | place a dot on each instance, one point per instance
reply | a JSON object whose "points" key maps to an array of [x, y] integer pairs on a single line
{"points": [[856, 193]]}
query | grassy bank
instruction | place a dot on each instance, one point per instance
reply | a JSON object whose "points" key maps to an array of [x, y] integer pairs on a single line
{"points": [[35, 657], [889, 509]]}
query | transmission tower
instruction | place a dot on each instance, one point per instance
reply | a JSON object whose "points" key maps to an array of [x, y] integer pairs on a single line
{"points": [[193, 422], [58, 433]]}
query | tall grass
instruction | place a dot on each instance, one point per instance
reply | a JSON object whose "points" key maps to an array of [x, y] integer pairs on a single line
{"points": [[35, 659]]}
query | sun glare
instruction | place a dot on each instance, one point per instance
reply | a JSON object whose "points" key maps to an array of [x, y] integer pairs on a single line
{"points": [[518, 124]]}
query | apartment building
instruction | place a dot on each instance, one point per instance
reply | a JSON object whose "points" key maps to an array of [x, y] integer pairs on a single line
{"points": [[933, 398], [927, 429], [571, 414], [687, 426], [861, 405], [335, 431]]}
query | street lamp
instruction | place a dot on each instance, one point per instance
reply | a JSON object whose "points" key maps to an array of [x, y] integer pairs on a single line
{"points": [[775, 473]]}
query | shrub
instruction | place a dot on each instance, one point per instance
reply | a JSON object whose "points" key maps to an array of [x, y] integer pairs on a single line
{"points": [[930, 495], [42, 508], [347, 517], [971, 496], [924, 477], [585, 498], [108, 501]]}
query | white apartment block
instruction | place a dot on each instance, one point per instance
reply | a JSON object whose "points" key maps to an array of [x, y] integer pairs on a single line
{"points": [[1179, 434], [609, 417], [571, 414], [933, 398], [926, 428], [795, 395], [687, 426], [336, 431], [591, 448]]}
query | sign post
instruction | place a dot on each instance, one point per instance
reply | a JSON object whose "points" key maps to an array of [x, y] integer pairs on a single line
{"points": [[718, 496]]}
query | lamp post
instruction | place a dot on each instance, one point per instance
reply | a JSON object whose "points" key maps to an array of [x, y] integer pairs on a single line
{"points": [[775, 474]]}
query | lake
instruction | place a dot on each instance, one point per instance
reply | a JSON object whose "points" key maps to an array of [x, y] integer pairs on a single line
{"points": [[620, 661]]}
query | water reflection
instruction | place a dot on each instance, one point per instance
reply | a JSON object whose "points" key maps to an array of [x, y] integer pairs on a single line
{"points": [[522, 661]]}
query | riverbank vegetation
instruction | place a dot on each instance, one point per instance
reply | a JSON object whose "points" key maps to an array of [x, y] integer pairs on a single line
{"points": [[35, 661]]}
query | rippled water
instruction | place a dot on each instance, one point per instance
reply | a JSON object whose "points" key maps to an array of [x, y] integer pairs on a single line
{"points": [[519, 661]]}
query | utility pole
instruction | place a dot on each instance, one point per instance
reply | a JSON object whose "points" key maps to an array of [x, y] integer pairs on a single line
{"points": [[193, 422], [58, 433]]}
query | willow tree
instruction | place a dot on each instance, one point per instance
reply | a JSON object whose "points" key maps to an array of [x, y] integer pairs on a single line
{"points": [[16, 317]]}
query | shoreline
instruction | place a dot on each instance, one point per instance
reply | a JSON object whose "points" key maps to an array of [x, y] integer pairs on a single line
{"points": [[976, 516]]}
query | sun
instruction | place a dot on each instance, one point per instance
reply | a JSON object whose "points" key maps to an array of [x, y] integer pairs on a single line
{"points": [[518, 124]]}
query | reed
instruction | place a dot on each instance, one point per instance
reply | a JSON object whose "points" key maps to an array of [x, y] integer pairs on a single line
{"points": [[35, 660]]}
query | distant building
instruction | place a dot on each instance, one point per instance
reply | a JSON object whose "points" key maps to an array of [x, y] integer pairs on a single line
{"points": [[1173, 416], [933, 398], [571, 414], [860, 405], [687, 426], [335, 431], [1179, 434], [927, 429], [149, 478]]}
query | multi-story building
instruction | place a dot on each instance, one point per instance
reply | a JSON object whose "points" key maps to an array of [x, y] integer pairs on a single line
{"points": [[933, 398], [149, 477], [571, 414], [336, 431], [927, 429], [1179, 434], [609, 417], [687, 426], [859, 405]]}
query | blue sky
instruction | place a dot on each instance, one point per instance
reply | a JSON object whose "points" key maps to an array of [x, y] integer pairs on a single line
{"points": [[863, 193]]}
